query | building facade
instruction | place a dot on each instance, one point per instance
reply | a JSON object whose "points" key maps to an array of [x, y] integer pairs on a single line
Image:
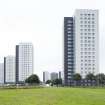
{"points": [[68, 49], [1, 73], [9, 69], [54, 75], [24, 61], [61, 75], [46, 76], [85, 43]]}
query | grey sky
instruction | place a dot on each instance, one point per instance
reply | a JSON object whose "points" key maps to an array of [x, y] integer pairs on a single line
{"points": [[41, 22]]}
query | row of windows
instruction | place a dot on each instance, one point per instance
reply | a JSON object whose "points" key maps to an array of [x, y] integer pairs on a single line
{"points": [[69, 42], [87, 45], [85, 30], [88, 48], [87, 56], [87, 18], [69, 28], [87, 64], [69, 25], [87, 33], [87, 37], [87, 22], [87, 72], [87, 41], [69, 21], [69, 31], [89, 14], [87, 53], [87, 60], [87, 26], [70, 62], [88, 68]]}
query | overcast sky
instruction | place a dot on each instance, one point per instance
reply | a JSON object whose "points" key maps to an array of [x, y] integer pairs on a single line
{"points": [[41, 22]]}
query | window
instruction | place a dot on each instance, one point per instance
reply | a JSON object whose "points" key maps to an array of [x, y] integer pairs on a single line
{"points": [[81, 29], [88, 18], [85, 29], [85, 18], [85, 33], [93, 22], [81, 37], [92, 14], [85, 56], [85, 22], [89, 37], [69, 32], [89, 33], [85, 25], [85, 37], [81, 21], [81, 25], [69, 21], [88, 14], [69, 28], [81, 60], [68, 24]]}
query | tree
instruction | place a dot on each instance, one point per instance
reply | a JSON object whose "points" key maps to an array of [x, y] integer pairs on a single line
{"points": [[100, 79], [90, 76], [33, 79], [77, 77], [57, 82], [48, 81]]}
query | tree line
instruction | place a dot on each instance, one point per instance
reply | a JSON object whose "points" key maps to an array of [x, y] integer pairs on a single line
{"points": [[99, 79]]}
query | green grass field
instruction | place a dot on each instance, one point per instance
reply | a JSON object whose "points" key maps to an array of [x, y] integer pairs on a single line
{"points": [[52, 96]]}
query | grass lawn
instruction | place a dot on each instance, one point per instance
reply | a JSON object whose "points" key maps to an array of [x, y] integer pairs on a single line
{"points": [[52, 96]]}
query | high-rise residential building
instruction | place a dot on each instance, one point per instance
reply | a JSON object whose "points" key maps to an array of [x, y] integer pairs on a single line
{"points": [[46, 76], [24, 61], [61, 75], [54, 75], [9, 69], [1, 73], [68, 49], [85, 35], [86, 41]]}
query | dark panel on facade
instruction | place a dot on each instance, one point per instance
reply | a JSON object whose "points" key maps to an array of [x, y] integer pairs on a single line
{"points": [[68, 50], [17, 63], [4, 70]]}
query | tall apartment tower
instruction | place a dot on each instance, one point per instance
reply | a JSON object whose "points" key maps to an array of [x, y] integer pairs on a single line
{"points": [[24, 61], [54, 75], [85, 43], [68, 49], [61, 75], [1, 73], [46, 76], [9, 69]]}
